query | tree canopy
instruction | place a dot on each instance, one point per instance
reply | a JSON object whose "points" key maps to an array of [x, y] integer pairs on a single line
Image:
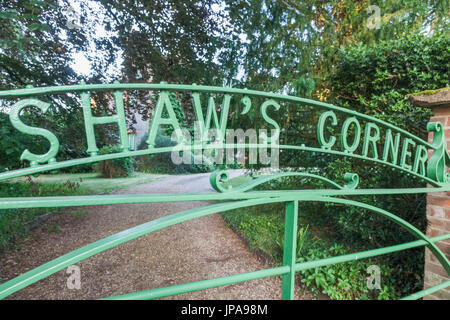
{"points": [[286, 46], [270, 45]]}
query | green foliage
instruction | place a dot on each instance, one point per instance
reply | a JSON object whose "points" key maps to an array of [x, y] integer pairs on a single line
{"points": [[376, 79], [13, 222], [263, 228], [177, 39], [301, 238], [12, 144], [64, 124], [278, 42], [21, 23], [79, 213], [158, 162], [344, 281], [176, 42], [114, 168], [36, 47], [162, 162], [37, 42]]}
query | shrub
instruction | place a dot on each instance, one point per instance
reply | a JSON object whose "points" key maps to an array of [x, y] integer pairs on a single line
{"points": [[374, 80], [343, 281], [263, 229], [114, 168], [65, 124], [13, 142], [162, 162]]}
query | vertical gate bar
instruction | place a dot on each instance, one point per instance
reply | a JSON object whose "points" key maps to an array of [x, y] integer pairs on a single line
{"points": [[289, 249]]}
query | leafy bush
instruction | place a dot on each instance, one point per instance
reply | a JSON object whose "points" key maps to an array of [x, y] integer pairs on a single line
{"points": [[114, 168], [375, 80], [65, 124], [12, 144], [263, 229], [343, 281], [162, 162]]}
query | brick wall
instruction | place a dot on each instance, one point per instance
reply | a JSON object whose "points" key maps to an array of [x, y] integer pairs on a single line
{"points": [[438, 217]]}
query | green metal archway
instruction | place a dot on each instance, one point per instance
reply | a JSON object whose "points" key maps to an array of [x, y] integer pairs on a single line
{"points": [[402, 151]]}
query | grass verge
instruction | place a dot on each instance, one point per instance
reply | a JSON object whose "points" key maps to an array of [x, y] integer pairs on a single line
{"points": [[16, 223], [262, 228]]}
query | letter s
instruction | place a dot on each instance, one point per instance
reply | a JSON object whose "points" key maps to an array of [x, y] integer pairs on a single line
{"points": [[276, 131], [35, 159]]}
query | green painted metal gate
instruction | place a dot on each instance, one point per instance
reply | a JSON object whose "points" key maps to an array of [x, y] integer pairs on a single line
{"points": [[404, 159]]}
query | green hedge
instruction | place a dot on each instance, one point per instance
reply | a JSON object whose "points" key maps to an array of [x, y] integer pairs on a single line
{"points": [[162, 162], [375, 80], [114, 168]]}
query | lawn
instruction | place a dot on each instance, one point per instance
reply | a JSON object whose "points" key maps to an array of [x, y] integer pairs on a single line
{"points": [[15, 223], [91, 183]]}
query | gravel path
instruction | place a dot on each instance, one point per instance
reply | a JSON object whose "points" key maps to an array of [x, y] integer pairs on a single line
{"points": [[200, 249]]}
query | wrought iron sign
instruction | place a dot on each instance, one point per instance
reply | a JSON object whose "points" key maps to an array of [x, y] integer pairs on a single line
{"points": [[338, 131]]}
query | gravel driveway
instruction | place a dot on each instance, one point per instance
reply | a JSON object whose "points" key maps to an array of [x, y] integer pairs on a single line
{"points": [[200, 249]]}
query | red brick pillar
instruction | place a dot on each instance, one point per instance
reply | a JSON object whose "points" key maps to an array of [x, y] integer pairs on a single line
{"points": [[438, 204]]}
